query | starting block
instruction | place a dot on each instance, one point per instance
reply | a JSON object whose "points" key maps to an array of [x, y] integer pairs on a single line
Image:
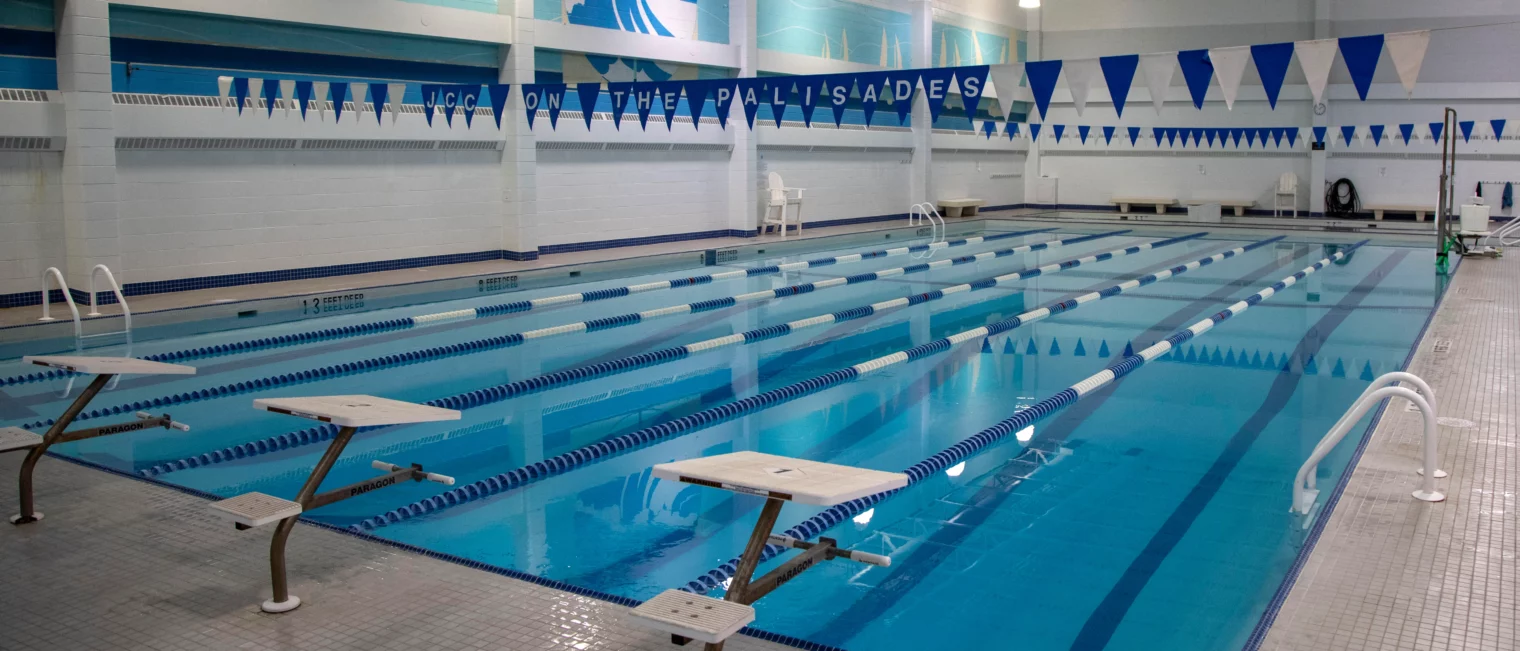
{"points": [[688, 617], [349, 413], [103, 368]]}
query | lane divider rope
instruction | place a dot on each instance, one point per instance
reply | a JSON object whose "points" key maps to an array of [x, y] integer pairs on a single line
{"points": [[984, 439], [708, 417], [404, 323]]}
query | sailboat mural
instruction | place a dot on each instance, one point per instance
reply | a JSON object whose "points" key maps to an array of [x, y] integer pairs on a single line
{"points": [[655, 17]]}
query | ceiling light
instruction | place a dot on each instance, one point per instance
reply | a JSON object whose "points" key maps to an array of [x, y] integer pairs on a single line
{"points": [[1029, 4]]}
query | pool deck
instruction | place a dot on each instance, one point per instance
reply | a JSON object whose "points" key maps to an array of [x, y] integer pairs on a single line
{"points": [[1393, 573]]}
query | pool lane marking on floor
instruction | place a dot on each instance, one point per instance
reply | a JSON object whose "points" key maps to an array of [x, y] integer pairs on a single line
{"points": [[1104, 621], [707, 417], [583, 373], [515, 307], [668, 548], [907, 573], [986, 438]]}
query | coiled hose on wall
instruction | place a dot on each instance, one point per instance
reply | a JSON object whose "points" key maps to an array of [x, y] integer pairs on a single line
{"points": [[1341, 199]]}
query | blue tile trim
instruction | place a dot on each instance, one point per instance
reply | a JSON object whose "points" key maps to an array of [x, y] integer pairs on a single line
{"points": [[450, 558], [551, 249]]}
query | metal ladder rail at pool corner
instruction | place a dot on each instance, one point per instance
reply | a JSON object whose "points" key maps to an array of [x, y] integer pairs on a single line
{"points": [[1422, 397], [721, 413], [937, 227], [403, 323], [566, 377], [63, 286], [1021, 419], [126, 312]]}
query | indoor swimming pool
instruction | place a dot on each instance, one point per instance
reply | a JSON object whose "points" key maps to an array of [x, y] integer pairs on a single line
{"points": [[1151, 513]]}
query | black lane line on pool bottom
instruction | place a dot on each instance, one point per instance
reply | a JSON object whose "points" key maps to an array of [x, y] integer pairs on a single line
{"points": [[1105, 619], [909, 572]]}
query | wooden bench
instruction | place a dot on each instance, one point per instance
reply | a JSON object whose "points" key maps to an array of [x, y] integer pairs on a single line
{"points": [[960, 207], [1160, 203], [1419, 211], [1239, 205]]}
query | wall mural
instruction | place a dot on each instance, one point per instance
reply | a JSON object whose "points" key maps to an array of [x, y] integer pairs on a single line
{"points": [[697, 20]]}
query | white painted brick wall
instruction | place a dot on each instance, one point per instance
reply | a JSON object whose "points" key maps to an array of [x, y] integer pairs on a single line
{"points": [[31, 220], [843, 185], [970, 175], [586, 196]]}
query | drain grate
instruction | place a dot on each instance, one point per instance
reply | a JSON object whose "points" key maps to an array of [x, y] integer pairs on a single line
{"points": [[1442, 346]]}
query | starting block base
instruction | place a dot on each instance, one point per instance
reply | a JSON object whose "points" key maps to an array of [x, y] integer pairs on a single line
{"points": [[272, 606], [17, 519]]}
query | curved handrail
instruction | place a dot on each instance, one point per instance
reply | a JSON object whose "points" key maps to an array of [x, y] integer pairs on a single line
{"points": [[1304, 491], [126, 313], [64, 287], [927, 212]]}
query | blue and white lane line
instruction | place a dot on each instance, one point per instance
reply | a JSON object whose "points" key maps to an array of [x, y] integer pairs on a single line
{"points": [[984, 439], [405, 323], [518, 338], [712, 416], [558, 379]]}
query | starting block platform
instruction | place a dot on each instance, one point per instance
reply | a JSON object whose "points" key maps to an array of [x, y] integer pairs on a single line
{"points": [[15, 438], [692, 616], [108, 365], [782, 478], [255, 509], [356, 411]]}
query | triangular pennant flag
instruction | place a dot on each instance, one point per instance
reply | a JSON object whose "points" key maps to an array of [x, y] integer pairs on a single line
{"points": [[1407, 49], [1034, 131], [778, 93], [255, 91], [224, 88], [533, 99], [1108, 135], [469, 100], [1361, 54], [1005, 78], [430, 95], [839, 88], [1251, 138], [378, 93], [1082, 131], [1042, 82], [1377, 135], [1208, 134], [498, 101], [644, 99], [1277, 136], [1159, 134], [360, 90], [587, 92], [807, 96], [620, 93], [1347, 134], [1171, 137], [287, 93], [1197, 136], [1119, 74], [271, 96], [303, 96], [1237, 134], [696, 99], [1080, 74], [1467, 129], [1407, 131], [319, 93], [554, 100], [1319, 134], [448, 98], [1197, 70], [1058, 129], [1498, 126], [1134, 135], [1011, 130], [723, 99], [1435, 130], [1158, 70], [397, 94], [1229, 67], [1272, 64], [972, 81], [670, 100], [1315, 58], [240, 92], [339, 96], [870, 86], [901, 84], [988, 129], [750, 92], [1292, 136]]}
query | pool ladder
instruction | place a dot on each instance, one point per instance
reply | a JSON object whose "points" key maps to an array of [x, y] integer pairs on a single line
{"points": [[926, 212], [79, 336]]}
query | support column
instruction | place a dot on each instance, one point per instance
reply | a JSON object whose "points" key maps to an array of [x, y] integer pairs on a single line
{"points": [[1033, 46], [1315, 184], [744, 162], [88, 179], [920, 42], [519, 157]]}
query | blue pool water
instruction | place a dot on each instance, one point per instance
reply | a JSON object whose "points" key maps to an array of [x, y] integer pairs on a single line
{"points": [[1151, 514]]}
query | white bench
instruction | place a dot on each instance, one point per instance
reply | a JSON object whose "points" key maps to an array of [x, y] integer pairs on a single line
{"points": [[1161, 203], [1239, 205], [960, 207], [1419, 211]]}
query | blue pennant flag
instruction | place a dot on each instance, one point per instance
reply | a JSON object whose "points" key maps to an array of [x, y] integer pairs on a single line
{"points": [[1011, 130], [1171, 137], [303, 96], [1250, 138], [723, 100], [1435, 130], [621, 93], [1292, 136], [1042, 77], [936, 83], [1262, 134], [989, 128], [1082, 131], [696, 99], [1407, 131], [339, 95], [1034, 130], [1467, 129], [498, 101], [533, 100], [972, 80], [1498, 126], [1361, 54], [1377, 135], [778, 93], [1183, 134], [870, 86], [1197, 70], [1347, 133], [809, 91], [1272, 64], [751, 91], [1237, 134], [1159, 134], [378, 92], [1319, 134], [1058, 129], [588, 92], [644, 99], [1197, 136], [1119, 74], [901, 84], [1209, 135], [554, 99], [449, 95], [1108, 135], [469, 100], [272, 95], [240, 91], [840, 87], [430, 101], [668, 96], [1277, 135], [1134, 135]]}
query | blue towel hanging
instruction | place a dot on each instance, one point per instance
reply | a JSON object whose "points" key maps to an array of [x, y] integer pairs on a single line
{"points": [[1509, 197]]}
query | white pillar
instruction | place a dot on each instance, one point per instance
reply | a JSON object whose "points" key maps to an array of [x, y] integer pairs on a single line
{"points": [[1315, 185], [88, 178], [744, 162], [920, 42], [1032, 52], [519, 157]]}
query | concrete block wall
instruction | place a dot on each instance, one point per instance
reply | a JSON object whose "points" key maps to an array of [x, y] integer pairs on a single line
{"points": [[842, 185], [31, 217], [591, 196]]}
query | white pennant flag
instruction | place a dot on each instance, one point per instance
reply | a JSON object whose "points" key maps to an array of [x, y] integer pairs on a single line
{"points": [[1079, 78], [319, 94], [223, 88], [1315, 57], [360, 89], [1229, 67], [1407, 49], [255, 91], [287, 93], [394, 98], [1005, 79], [1158, 69]]}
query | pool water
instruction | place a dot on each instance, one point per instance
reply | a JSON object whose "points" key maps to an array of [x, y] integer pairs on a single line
{"points": [[1153, 513]]}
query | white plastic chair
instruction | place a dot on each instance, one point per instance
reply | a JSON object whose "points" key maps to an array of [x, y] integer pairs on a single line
{"points": [[1287, 186], [778, 198]]}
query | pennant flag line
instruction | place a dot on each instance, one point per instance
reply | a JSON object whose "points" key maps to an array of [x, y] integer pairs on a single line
{"points": [[1119, 75]]}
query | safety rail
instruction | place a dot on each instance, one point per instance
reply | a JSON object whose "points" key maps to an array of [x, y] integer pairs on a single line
{"points": [[63, 287], [1304, 491], [926, 212], [126, 313]]}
